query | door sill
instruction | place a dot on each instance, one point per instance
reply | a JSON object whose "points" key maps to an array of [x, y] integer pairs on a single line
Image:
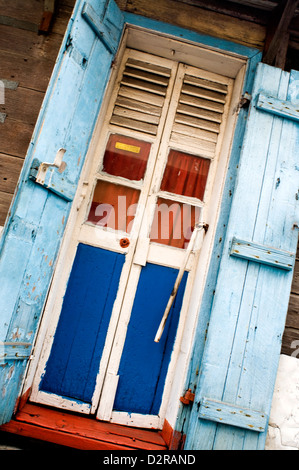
{"points": [[80, 432]]}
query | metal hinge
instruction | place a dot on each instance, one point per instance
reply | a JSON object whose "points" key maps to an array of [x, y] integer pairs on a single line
{"points": [[188, 397], [244, 102]]}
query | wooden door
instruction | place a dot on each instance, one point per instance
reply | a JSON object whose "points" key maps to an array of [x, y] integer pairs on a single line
{"points": [[149, 184]]}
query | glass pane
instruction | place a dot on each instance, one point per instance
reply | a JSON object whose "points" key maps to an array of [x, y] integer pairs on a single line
{"points": [[173, 223], [185, 174], [126, 157], [113, 206]]}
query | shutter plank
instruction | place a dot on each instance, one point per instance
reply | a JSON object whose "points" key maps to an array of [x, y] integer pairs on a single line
{"points": [[147, 76], [143, 85], [201, 103], [207, 148], [147, 66], [201, 82], [199, 113], [138, 106], [198, 123], [203, 93], [140, 95], [134, 124], [139, 116], [195, 132]]}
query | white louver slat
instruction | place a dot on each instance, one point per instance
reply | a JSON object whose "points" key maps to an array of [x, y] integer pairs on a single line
{"points": [[199, 113], [141, 96]]}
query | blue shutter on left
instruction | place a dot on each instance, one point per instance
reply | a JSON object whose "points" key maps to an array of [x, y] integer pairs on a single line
{"points": [[32, 236], [238, 370]]}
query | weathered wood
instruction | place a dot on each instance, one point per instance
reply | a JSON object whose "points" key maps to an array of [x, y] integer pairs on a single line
{"points": [[196, 122], [277, 30], [140, 116], [26, 10], [295, 285], [191, 17], [281, 108], [142, 96], [12, 146], [233, 415], [292, 320], [262, 254], [22, 105], [195, 132], [201, 103], [10, 168], [14, 351], [29, 44], [144, 108], [5, 200], [80, 432], [134, 124], [290, 342], [48, 13], [31, 72]]}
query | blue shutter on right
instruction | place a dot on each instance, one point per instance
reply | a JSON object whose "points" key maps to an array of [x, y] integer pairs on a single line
{"points": [[239, 366]]}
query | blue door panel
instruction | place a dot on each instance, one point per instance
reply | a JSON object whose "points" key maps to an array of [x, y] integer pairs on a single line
{"points": [[79, 339], [144, 363]]}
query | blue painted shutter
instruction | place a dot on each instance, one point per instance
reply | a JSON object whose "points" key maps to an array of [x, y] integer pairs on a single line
{"points": [[33, 234], [238, 370]]}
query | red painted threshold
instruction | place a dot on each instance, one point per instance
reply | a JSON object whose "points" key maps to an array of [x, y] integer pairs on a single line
{"points": [[80, 432]]}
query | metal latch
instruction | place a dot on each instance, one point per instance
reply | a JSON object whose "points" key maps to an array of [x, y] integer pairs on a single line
{"points": [[244, 102], [54, 176]]}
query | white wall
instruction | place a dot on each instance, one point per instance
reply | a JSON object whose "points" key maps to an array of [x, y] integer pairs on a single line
{"points": [[283, 432]]}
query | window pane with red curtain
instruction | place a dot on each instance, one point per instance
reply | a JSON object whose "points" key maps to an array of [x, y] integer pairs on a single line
{"points": [[173, 223], [126, 157], [113, 206], [185, 174]]}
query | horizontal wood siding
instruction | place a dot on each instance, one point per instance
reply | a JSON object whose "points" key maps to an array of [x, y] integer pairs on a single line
{"points": [[27, 59], [290, 340], [199, 19]]}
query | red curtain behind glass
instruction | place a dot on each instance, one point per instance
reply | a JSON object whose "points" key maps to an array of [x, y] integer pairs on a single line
{"points": [[185, 174]]}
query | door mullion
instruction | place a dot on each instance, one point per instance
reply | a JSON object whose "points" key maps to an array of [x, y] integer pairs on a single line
{"points": [[115, 339]]}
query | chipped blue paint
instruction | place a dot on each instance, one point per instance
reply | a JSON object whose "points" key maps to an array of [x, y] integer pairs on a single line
{"points": [[225, 413], [144, 363], [79, 340], [278, 107], [259, 253]]}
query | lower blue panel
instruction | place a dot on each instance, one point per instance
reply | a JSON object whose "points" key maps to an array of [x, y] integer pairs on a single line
{"points": [[79, 339], [144, 363]]}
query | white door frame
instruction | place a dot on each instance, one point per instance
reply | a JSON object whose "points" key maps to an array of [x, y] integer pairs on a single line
{"points": [[190, 308]]}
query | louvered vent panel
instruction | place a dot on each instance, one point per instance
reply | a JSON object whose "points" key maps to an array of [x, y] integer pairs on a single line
{"points": [[141, 96], [199, 113]]}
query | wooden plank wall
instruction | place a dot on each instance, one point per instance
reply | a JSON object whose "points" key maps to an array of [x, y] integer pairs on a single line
{"points": [[27, 59], [290, 341]]}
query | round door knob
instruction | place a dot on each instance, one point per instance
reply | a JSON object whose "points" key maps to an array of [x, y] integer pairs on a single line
{"points": [[124, 242]]}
